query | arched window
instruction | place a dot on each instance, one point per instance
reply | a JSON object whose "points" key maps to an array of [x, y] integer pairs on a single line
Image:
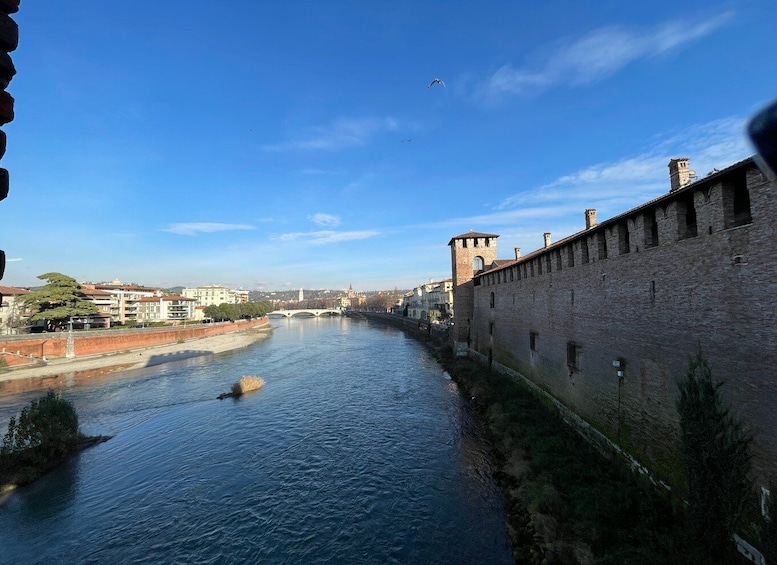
{"points": [[477, 263]]}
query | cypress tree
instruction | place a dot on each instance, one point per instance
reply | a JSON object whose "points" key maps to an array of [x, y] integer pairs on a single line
{"points": [[716, 456]]}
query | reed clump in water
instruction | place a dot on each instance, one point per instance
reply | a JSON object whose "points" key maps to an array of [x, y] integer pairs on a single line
{"points": [[247, 384]]}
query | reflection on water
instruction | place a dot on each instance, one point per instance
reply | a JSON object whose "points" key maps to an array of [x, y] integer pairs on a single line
{"points": [[66, 379], [357, 450]]}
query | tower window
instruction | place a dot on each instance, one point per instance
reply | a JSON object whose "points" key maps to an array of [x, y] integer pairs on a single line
{"points": [[477, 263], [573, 358]]}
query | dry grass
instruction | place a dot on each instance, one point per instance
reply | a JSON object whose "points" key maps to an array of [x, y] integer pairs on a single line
{"points": [[247, 384]]}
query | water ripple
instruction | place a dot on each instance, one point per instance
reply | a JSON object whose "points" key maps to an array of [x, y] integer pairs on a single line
{"points": [[357, 450]]}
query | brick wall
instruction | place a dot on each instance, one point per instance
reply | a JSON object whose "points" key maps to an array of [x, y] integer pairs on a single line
{"points": [[650, 307], [29, 350]]}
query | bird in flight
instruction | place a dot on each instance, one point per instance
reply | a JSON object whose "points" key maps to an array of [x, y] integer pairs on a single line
{"points": [[435, 81]]}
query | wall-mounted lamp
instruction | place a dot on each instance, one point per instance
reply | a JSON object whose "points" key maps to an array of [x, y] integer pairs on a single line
{"points": [[620, 374], [616, 363]]}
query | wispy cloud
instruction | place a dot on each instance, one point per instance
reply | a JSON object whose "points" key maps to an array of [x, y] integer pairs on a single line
{"points": [[325, 220], [195, 228], [610, 187], [342, 133], [326, 236], [599, 54], [13, 259]]}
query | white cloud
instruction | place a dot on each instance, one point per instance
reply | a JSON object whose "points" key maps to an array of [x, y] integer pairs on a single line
{"points": [[13, 259], [204, 227], [633, 180], [600, 54], [325, 220], [610, 187], [326, 236], [343, 132]]}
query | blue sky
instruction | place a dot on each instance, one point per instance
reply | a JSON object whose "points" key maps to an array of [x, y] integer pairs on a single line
{"points": [[274, 145]]}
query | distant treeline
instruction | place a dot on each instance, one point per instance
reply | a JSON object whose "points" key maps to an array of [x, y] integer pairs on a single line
{"points": [[232, 312]]}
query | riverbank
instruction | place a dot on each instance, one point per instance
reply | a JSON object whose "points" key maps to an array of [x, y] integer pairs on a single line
{"points": [[566, 503], [134, 358]]}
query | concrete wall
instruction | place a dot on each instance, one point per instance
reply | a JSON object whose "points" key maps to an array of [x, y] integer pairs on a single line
{"points": [[649, 308]]}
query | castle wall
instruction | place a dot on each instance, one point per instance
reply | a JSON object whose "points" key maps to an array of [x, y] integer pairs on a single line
{"points": [[561, 321]]}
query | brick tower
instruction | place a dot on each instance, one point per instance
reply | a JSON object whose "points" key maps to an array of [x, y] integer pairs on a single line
{"points": [[470, 253]]}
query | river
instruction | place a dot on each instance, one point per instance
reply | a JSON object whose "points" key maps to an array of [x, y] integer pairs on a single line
{"points": [[359, 449]]}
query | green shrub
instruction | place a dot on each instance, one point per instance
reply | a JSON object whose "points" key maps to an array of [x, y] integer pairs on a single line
{"points": [[45, 433]]}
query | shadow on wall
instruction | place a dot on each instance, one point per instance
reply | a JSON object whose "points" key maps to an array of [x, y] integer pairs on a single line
{"points": [[177, 356]]}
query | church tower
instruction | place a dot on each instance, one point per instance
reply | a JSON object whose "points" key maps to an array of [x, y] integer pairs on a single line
{"points": [[301, 295], [470, 253]]}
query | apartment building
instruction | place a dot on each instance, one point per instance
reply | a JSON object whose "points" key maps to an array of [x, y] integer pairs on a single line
{"points": [[173, 309], [124, 298], [213, 295]]}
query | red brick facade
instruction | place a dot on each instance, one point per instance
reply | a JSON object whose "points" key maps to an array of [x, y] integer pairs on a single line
{"points": [[30, 350], [694, 268]]}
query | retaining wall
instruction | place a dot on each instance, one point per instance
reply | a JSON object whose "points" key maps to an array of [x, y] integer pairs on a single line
{"points": [[24, 350]]}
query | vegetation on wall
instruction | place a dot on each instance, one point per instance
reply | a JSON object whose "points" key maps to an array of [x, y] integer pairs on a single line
{"points": [[58, 300], [566, 502]]}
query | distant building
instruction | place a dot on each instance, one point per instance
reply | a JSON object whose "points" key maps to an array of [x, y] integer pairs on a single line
{"points": [[103, 300], [432, 301], [166, 309], [214, 295], [12, 310], [124, 299]]}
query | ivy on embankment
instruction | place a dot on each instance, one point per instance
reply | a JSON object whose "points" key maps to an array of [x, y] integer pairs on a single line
{"points": [[566, 502]]}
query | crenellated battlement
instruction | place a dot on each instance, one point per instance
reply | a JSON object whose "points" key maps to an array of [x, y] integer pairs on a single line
{"points": [[696, 267]]}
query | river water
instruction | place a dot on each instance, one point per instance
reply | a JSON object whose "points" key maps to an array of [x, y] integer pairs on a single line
{"points": [[359, 449]]}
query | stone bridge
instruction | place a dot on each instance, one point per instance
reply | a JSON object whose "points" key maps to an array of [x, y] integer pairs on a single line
{"points": [[307, 312]]}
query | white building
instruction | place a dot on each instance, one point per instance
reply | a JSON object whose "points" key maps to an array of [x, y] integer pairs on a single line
{"points": [[214, 295], [12, 310], [165, 309], [431, 301], [124, 298]]}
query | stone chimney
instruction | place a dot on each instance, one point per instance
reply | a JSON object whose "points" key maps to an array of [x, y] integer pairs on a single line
{"points": [[590, 218], [546, 235], [680, 173], [517, 252]]}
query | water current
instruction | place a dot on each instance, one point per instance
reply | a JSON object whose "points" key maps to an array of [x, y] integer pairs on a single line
{"points": [[359, 449]]}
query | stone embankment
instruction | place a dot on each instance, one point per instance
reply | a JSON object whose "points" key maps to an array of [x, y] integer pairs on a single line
{"points": [[30, 350], [149, 347]]}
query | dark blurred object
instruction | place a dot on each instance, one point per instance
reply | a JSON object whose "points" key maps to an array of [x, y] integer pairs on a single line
{"points": [[763, 134]]}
